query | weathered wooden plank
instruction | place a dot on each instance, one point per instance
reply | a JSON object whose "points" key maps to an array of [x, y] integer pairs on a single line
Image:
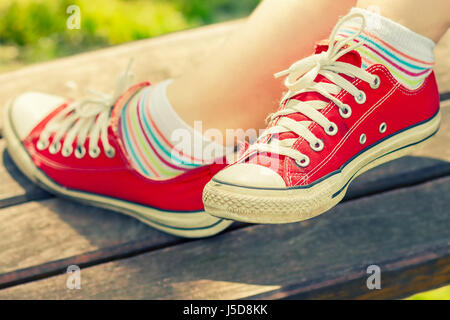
{"points": [[401, 281], [405, 228], [39, 232], [15, 188], [155, 59], [46, 257]]}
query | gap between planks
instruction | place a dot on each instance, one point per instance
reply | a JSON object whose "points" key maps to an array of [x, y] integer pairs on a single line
{"points": [[387, 229], [76, 235]]}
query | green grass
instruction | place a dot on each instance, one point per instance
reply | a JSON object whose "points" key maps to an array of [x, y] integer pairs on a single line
{"points": [[35, 30], [437, 294]]}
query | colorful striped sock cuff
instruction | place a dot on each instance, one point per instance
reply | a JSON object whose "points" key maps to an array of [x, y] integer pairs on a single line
{"points": [[408, 55], [159, 144]]}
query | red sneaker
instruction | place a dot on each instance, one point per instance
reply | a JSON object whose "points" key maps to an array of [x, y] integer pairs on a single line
{"points": [[88, 163], [336, 122]]}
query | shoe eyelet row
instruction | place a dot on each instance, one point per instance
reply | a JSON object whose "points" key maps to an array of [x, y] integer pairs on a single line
{"points": [[319, 145], [382, 129], [67, 151]]}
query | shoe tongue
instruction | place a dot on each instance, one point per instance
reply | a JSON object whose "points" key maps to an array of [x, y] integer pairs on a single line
{"points": [[351, 57], [321, 46]]}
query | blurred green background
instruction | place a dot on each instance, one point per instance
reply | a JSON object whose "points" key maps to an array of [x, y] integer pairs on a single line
{"points": [[35, 30]]}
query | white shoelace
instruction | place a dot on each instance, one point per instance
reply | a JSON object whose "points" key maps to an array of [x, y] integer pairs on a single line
{"points": [[85, 118], [300, 78]]}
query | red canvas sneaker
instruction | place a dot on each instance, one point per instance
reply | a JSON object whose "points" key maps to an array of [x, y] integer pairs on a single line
{"points": [[74, 150], [337, 121]]}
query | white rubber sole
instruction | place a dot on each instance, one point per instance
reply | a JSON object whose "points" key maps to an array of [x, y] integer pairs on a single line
{"points": [[184, 224], [276, 206]]}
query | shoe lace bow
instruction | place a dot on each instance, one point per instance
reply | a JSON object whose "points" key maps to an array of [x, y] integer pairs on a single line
{"points": [[83, 119], [300, 78]]}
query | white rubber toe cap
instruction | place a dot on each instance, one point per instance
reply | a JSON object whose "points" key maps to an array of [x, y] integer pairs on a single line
{"points": [[30, 108], [250, 175]]}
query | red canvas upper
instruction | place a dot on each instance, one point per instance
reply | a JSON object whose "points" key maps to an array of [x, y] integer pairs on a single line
{"points": [[391, 103], [115, 177]]}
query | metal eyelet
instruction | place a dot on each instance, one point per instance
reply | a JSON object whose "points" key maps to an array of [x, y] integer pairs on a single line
{"points": [[361, 97], [54, 148], [317, 146], [332, 129], [376, 82], [94, 152], [383, 127], [67, 151], [42, 145], [304, 162], [80, 151], [362, 139], [346, 112], [110, 152]]}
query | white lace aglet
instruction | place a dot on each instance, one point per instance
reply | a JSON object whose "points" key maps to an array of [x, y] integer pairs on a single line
{"points": [[281, 73], [127, 75], [124, 79], [129, 65]]}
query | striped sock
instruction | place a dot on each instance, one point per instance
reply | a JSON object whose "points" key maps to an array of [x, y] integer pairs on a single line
{"points": [[158, 142], [407, 55]]}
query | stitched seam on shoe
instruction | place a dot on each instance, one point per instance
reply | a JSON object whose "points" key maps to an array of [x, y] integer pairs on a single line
{"points": [[348, 134], [312, 126], [327, 109]]}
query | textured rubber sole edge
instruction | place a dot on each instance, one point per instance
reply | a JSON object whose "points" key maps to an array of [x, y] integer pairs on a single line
{"points": [[292, 205], [183, 224]]}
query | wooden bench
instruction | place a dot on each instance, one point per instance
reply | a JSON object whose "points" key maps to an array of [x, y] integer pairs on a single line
{"points": [[396, 216]]}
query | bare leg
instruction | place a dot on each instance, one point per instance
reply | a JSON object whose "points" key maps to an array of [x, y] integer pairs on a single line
{"points": [[430, 19], [235, 87]]}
